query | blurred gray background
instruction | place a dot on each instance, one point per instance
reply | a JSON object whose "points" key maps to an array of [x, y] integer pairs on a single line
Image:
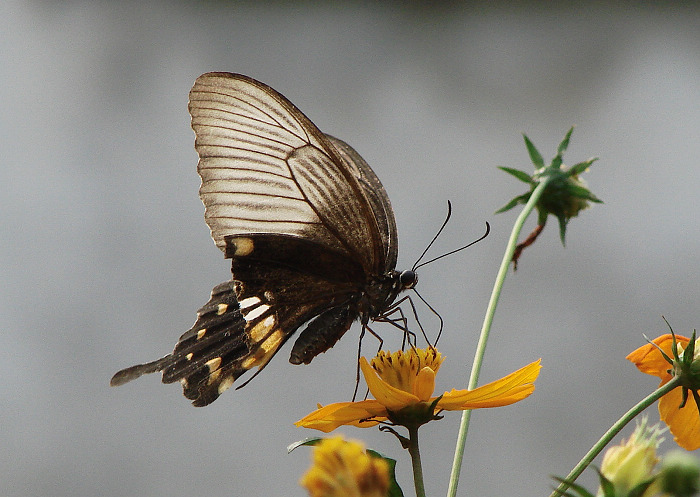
{"points": [[105, 257]]}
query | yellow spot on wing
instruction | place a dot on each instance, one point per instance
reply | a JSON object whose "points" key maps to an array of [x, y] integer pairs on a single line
{"points": [[201, 333], [225, 384], [189, 356], [257, 312], [244, 246], [213, 364], [213, 376], [261, 330], [222, 309], [265, 351], [249, 302]]}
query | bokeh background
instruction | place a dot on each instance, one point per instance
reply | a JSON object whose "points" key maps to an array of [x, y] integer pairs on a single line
{"points": [[105, 258]]}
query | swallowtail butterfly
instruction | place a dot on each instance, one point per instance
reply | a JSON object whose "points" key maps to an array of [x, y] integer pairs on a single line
{"points": [[307, 225]]}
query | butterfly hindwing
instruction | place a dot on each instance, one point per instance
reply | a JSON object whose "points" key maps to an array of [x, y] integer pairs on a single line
{"points": [[206, 358], [300, 280]]}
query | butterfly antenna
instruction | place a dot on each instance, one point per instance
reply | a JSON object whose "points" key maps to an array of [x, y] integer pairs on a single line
{"points": [[488, 230], [447, 218]]}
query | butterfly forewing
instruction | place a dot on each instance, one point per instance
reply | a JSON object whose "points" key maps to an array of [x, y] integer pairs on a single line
{"points": [[379, 200], [266, 168]]}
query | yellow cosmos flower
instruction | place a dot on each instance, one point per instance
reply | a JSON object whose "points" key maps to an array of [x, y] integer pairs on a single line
{"points": [[402, 384], [684, 422], [344, 469]]}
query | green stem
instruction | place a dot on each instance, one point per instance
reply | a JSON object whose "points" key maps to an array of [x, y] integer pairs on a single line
{"points": [[486, 328], [414, 450], [614, 430]]}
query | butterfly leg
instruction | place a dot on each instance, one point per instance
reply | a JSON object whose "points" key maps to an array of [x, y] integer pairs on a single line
{"points": [[395, 308], [401, 322], [365, 328], [442, 321]]}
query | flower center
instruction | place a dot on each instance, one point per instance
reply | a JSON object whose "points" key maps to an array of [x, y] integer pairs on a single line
{"points": [[400, 369]]}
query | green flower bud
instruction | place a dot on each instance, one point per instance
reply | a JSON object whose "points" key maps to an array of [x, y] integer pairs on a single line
{"points": [[680, 474], [564, 196]]}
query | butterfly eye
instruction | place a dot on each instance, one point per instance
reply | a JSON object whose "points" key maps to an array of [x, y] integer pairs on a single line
{"points": [[408, 279]]}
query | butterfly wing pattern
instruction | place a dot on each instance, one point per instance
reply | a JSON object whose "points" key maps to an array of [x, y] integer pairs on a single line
{"points": [[308, 227]]}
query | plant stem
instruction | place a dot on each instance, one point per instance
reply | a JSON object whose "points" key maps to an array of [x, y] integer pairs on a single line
{"points": [[614, 430], [414, 450], [486, 328]]}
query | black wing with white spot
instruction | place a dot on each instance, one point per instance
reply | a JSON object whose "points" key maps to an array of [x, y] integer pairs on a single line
{"points": [[203, 354]]}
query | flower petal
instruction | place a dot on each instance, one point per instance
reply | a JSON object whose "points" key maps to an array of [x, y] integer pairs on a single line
{"points": [[683, 423], [390, 397], [425, 384], [649, 360], [330, 417], [508, 390]]}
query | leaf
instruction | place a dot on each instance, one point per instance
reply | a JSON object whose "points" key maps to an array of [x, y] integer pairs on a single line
{"points": [[535, 155], [307, 441], [581, 167], [639, 490], [521, 175], [557, 160], [606, 485], [522, 199], [565, 142], [580, 490], [562, 229], [582, 192], [394, 488]]}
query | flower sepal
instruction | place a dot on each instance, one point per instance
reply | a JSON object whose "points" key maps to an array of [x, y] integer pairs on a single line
{"points": [[686, 365], [566, 194], [415, 415]]}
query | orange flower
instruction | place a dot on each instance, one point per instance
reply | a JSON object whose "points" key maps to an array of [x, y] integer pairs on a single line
{"points": [[684, 422], [402, 384]]}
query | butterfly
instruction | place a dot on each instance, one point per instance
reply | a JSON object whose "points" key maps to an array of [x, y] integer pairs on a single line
{"points": [[307, 225]]}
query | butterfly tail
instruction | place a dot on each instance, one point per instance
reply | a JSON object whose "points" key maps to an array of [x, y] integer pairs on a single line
{"points": [[128, 374]]}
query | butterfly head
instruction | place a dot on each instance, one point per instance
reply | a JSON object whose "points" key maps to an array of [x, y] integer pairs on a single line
{"points": [[408, 279]]}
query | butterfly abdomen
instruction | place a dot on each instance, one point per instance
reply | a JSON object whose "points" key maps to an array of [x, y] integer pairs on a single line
{"points": [[321, 334]]}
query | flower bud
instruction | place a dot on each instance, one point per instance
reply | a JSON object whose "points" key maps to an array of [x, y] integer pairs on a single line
{"points": [[632, 463], [680, 474]]}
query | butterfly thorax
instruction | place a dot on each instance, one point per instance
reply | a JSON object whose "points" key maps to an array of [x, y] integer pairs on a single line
{"points": [[380, 293]]}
